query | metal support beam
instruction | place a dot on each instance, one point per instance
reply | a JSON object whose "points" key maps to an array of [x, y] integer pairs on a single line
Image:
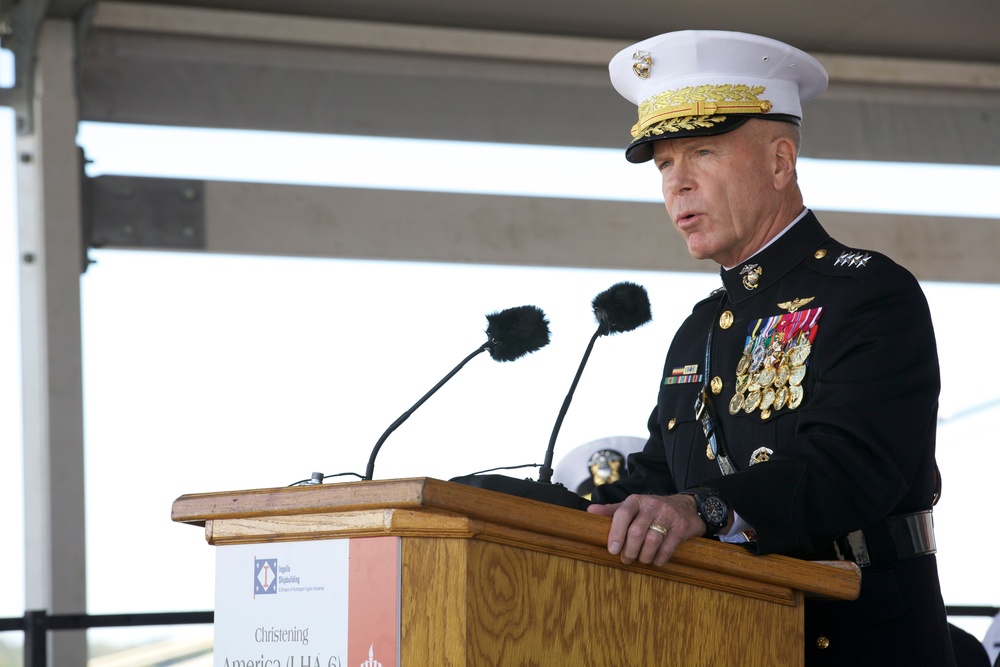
{"points": [[307, 221], [475, 45], [195, 66], [50, 243]]}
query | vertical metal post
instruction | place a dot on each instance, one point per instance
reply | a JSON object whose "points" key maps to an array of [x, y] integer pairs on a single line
{"points": [[48, 175]]}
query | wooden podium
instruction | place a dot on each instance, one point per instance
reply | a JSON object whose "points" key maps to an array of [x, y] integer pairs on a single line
{"points": [[491, 579]]}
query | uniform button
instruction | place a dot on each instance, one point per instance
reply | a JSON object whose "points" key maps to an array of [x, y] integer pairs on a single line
{"points": [[820, 254], [822, 642], [671, 424], [716, 385], [726, 319]]}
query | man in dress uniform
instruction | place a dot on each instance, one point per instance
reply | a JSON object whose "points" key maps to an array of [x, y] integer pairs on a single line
{"points": [[798, 404]]}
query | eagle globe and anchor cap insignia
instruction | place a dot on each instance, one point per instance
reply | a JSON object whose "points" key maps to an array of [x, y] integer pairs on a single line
{"points": [[605, 466], [641, 62]]}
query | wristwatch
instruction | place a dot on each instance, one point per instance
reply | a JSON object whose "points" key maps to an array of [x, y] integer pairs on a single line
{"points": [[712, 509]]}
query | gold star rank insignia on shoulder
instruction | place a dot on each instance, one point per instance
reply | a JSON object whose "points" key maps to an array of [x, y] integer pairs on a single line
{"points": [[751, 275], [794, 304]]}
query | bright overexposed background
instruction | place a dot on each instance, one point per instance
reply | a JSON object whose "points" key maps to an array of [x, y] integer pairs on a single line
{"points": [[207, 373]]}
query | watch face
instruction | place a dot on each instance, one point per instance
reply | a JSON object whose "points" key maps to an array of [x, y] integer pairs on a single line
{"points": [[715, 510]]}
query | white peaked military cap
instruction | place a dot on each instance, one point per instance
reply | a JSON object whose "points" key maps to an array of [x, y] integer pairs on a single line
{"points": [[702, 82]]}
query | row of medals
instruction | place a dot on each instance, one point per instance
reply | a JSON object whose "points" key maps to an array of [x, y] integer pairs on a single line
{"points": [[770, 377]]}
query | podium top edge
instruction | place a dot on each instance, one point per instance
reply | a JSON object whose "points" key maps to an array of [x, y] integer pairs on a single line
{"points": [[436, 496]]}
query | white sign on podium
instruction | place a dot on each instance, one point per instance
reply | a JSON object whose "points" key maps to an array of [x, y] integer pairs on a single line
{"points": [[322, 603]]}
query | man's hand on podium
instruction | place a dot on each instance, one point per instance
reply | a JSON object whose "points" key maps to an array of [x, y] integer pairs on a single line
{"points": [[650, 528]]}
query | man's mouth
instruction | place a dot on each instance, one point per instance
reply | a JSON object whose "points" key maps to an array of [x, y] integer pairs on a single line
{"points": [[686, 218]]}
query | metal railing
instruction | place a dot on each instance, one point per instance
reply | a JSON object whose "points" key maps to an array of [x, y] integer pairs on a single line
{"points": [[37, 624]]}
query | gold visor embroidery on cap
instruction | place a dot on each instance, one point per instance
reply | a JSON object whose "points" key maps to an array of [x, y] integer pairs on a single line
{"points": [[678, 124], [697, 106]]}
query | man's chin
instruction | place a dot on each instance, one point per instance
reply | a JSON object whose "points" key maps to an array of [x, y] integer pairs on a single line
{"points": [[698, 252]]}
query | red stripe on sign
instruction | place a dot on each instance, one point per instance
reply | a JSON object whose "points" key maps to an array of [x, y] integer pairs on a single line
{"points": [[373, 602]]}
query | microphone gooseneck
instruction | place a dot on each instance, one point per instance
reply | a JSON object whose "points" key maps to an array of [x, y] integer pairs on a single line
{"points": [[622, 307], [511, 334]]}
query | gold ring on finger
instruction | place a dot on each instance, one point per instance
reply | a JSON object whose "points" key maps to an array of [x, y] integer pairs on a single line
{"points": [[658, 528]]}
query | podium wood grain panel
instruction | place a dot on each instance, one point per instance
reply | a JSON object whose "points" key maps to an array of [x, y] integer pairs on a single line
{"points": [[466, 602], [433, 602]]}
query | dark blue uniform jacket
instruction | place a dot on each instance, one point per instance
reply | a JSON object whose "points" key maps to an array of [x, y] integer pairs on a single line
{"points": [[843, 434]]}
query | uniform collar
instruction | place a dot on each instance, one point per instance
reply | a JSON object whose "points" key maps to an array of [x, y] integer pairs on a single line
{"points": [[771, 264]]}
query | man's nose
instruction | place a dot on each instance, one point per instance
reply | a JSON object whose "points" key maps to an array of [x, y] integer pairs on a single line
{"points": [[677, 179]]}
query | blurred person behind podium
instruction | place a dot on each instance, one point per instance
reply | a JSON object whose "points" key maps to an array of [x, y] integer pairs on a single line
{"points": [[594, 463]]}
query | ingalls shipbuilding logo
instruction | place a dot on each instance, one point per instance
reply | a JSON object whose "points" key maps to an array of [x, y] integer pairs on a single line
{"points": [[265, 576]]}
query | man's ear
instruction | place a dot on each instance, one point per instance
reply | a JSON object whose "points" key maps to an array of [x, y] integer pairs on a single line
{"points": [[785, 156]]}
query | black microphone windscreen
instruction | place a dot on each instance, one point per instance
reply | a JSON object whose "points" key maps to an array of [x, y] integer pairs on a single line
{"points": [[622, 307], [515, 332]]}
